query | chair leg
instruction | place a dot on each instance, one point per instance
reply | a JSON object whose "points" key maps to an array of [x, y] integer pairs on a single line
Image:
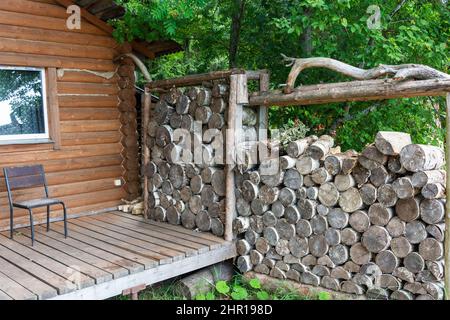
{"points": [[11, 222], [48, 218], [65, 219], [31, 226]]}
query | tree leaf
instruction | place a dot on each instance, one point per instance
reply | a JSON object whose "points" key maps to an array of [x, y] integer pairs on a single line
{"points": [[262, 295], [239, 293], [323, 295], [222, 287], [255, 283], [210, 296]]}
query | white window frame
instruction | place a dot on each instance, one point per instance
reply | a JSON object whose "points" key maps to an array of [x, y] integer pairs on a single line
{"points": [[37, 137]]}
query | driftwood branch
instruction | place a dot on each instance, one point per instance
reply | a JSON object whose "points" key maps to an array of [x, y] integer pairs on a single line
{"points": [[398, 72], [138, 63]]}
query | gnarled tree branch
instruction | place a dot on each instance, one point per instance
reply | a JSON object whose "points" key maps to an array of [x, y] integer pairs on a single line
{"points": [[138, 63], [398, 72]]}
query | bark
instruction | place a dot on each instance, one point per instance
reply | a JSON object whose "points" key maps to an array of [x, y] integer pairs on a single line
{"points": [[399, 72], [236, 20]]}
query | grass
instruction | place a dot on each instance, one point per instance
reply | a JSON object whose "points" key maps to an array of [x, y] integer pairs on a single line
{"points": [[160, 291], [235, 289]]}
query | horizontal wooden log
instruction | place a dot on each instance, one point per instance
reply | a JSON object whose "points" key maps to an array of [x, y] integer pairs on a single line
{"points": [[416, 157], [193, 80], [352, 91], [56, 49], [391, 143]]}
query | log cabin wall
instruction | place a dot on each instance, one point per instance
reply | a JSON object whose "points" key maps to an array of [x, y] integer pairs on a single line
{"points": [[88, 129], [129, 129]]}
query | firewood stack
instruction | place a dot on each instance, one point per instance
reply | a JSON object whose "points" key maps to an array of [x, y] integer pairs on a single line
{"points": [[369, 223], [128, 116], [187, 187]]}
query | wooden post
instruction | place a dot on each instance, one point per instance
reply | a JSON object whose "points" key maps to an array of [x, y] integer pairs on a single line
{"points": [[238, 97], [447, 215], [53, 108], [263, 116], [145, 148], [241, 99], [230, 162]]}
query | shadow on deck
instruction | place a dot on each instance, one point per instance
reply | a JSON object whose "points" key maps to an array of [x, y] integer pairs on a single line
{"points": [[103, 255]]}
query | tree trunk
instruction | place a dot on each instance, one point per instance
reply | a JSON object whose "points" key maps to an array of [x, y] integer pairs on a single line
{"points": [[236, 20]]}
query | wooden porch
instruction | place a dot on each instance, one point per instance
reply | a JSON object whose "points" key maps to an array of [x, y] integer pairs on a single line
{"points": [[103, 255]]}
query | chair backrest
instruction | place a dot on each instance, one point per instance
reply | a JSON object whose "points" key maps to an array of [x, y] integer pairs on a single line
{"points": [[25, 177]]}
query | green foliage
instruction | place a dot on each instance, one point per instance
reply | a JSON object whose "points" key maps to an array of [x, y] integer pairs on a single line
{"points": [[255, 283], [323, 295], [239, 293], [418, 32], [422, 118], [262, 295], [236, 289], [293, 130], [240, 289], [155, 19], [210, 296], [163, 291], [222, 287]]}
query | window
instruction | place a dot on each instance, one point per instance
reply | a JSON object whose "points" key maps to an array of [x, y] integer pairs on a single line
{"points": [[23, 107]]}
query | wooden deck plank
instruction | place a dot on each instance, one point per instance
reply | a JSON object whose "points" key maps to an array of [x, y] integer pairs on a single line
{"points": [[86, 229], [157, 274], [4, 296], [180, 229], [146, 262], [107, 222], [61, 284], [39, 288], [64, 271], [153, 231], [15, 290], [164, 255], [202, 244], [89, 271], [113, 269], [109, 252], [129, 265]]}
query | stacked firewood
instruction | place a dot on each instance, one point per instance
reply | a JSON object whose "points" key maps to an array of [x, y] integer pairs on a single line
{"points": [[369, 223], [186, 176], [128, 116]]}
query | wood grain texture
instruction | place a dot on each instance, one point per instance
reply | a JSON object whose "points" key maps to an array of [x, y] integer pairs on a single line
{"points": [[83, 107]]}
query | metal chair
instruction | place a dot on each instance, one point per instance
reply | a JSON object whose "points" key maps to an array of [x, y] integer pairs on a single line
{"points": [[30, 177]]}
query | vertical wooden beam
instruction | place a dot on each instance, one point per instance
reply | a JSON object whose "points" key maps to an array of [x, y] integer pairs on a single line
{"points": [[447, 205], [263, 111], [54, 126], [230, 199], [238, 97], [145, 148], [241, 100]]}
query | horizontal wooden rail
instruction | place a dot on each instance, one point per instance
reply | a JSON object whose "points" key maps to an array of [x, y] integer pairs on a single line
{"points": [[352, 91], [197, 79]]}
